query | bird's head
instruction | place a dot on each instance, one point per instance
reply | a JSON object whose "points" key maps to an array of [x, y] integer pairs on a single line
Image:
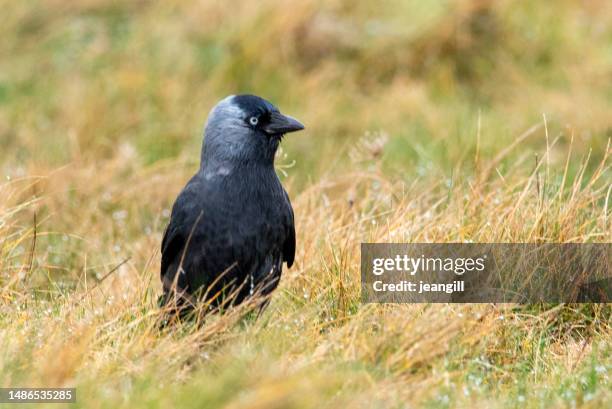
{"points": [[245, 128]]}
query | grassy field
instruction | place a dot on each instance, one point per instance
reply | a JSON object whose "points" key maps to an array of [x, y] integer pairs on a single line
{"points": [[442, 121]]}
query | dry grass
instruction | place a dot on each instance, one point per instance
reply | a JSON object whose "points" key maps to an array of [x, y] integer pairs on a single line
{"points": [[316, 344], [424, 125]]}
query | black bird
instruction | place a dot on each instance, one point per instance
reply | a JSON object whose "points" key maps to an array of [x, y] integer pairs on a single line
{"points": [[232, 225]]}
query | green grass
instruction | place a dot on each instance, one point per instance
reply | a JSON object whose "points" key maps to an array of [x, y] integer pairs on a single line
{"points": [[438, 121]]}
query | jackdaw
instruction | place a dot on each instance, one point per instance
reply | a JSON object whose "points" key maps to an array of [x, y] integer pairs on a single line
{"points": [[232, 225]]}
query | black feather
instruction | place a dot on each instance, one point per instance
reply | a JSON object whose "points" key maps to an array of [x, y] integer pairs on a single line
{"points": [[232, 226]]}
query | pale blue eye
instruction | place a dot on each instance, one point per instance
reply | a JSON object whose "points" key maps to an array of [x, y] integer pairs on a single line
{"points": [[253, 120]]}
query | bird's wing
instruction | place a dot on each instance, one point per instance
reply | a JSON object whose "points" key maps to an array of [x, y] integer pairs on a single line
{"points": [[178, 231], [289, 244], [172, 244]]}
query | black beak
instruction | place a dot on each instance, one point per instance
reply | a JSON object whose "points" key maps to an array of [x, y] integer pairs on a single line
{"points": [[281, 124]]}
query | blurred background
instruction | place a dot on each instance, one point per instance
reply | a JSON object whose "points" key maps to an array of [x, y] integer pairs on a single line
{"points": [[88, 80]]}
